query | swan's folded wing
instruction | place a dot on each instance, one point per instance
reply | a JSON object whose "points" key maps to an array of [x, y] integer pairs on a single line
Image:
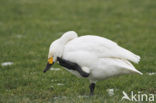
{"points": [[99, 47]]}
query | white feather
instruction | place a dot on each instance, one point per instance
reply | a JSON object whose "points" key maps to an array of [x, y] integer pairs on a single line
{"points": [[101, 47], [100, 57]]}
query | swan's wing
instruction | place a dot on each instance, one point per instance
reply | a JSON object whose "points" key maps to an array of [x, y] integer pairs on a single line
{"points": [[106, 66], [100, 53], [100, 47], [117, 66]]}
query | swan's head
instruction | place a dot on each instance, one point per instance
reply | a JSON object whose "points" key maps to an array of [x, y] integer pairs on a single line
{"points": [[57, 47]]}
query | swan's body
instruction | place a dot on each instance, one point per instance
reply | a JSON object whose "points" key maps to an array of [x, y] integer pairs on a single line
{"points": [[101, 58]]}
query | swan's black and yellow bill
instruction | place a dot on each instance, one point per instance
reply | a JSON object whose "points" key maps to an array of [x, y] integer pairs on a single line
{"points": [[49, 64]]}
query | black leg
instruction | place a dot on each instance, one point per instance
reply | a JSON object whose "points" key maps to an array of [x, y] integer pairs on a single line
{"points": [[92, 86], [72, 66]]}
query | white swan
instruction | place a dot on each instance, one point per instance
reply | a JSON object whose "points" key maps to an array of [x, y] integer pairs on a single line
{"points": [[92, 57]]}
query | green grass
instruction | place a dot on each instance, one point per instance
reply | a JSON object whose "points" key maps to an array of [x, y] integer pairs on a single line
{"points": [[27, 27]]}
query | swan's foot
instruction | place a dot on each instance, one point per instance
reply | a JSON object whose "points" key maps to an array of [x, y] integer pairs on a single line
{"points": [[92, 87], [72, 66]]}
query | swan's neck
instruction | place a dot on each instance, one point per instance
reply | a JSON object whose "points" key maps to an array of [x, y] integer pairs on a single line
{"points": [[68, 36], [61, 42], [64, 41]]}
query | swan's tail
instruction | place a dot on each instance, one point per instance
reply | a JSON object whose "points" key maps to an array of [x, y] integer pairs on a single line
{"points": [[131, 68], [128, 55]]}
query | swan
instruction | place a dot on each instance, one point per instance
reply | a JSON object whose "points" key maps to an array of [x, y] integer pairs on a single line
{"points": [[92, 57]]}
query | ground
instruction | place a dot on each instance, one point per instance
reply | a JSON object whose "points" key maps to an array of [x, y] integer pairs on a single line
{"points": [[27, 27]]}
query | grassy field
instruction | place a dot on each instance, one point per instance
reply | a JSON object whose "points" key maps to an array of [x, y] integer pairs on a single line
{"points": [[27, 27]]}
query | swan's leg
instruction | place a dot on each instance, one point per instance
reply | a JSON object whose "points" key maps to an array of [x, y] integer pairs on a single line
{"points": [[92, 86], [72, 66]]}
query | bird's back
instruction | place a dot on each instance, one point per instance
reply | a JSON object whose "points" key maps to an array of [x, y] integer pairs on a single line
{"points": [[100, 47]]}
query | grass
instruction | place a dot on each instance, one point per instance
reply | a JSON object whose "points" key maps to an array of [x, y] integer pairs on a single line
{"points": [[27, 27]]}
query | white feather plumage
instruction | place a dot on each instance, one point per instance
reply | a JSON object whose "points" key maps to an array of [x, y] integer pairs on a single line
{"points": [[98, 56]]}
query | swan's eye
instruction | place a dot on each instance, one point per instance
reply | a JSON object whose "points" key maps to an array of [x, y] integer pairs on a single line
{"points": [[50, 60]]}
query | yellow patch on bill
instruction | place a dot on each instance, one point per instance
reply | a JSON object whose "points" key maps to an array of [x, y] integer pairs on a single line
{"points": [[50, 60]]}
